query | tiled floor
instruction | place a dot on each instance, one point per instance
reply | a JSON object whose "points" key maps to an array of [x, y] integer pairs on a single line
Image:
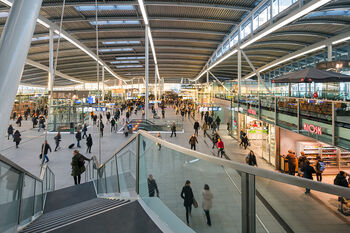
{"points": [[302, 213]]}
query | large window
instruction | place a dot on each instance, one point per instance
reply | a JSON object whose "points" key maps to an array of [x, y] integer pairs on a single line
{"points": [[246, 30]]}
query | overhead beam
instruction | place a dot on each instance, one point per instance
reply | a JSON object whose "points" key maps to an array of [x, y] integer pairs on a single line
{"points": [[58, 73], [300, 33]]}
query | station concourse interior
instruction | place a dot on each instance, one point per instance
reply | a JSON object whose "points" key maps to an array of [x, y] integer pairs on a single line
{"points": [[175, 116]]}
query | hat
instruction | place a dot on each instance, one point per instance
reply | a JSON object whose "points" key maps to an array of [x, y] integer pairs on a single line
{"points": [[290, 151]]}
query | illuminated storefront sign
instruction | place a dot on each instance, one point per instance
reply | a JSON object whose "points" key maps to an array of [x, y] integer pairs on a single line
{"points": [[252, 111], [313, 129]]}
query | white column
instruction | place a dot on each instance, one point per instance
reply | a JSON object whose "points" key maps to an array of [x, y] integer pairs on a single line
{"points": [[155, 88], [15, 40], [239, 70], [146, 71], [329, 51], [51, 68], [103, 83]]}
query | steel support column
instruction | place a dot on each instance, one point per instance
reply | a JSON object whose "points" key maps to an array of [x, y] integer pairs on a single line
{"points": [[333, 124], [239, 56], [248, 203], [329, 52], [15, 40], [146, 71], [103, 83], [155, 89]]}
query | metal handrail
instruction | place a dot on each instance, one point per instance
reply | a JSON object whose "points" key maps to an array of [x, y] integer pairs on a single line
{"points": [[272, 175]]}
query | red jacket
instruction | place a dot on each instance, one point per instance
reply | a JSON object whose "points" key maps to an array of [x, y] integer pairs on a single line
{"points": [[220, 144]]}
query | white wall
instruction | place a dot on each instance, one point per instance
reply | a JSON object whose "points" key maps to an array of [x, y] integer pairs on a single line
{"points": [[288, 140]]}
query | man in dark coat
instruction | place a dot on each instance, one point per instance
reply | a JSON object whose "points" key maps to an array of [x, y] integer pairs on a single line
{"points": [[17, 138], [78, 167], [44, 150], [187, 195], [9, 132], [78, 137], [152, 186], [196, 127], [308, 171]]}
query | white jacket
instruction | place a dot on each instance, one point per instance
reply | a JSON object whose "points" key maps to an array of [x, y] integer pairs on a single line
{"points": [[207, 197]]}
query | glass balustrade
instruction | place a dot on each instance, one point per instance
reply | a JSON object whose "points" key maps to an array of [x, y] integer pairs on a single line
{"points": [[21, 194]]}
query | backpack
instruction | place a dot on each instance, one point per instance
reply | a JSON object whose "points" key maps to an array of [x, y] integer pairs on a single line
{"points": [[81, 161], [322, 166]]}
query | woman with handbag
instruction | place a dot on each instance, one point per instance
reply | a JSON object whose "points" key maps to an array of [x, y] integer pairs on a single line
{"points": [[187, 195], [207, 196]]}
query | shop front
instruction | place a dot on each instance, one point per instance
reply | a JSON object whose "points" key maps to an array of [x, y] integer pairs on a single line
{"points": [[261, 135]]}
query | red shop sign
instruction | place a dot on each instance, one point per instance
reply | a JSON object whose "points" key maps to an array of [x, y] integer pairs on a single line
{"points": [[313, 129], [252, 111]]}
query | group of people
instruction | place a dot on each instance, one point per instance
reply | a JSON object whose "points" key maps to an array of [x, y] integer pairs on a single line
{"points": [[188, 198]]}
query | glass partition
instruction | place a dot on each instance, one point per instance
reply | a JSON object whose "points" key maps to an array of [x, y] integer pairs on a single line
{"points": [[27, 199], [287, 113], [342, 124], [10, 184]]}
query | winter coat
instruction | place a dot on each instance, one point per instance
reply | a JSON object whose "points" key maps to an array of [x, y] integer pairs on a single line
{"points": [[78, 136], [292, 159], [196, 125], [76, 169], [187, 195], [89, 141], [126, 128], [45, 148], [17, 136], [193, 140], [308, 170], [10, 130], [57, 138], [207, 196], [220, 145], [205, 127], [341, 181]]}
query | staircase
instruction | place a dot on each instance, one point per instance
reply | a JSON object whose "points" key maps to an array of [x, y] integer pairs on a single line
{"points": [[78, 209]]}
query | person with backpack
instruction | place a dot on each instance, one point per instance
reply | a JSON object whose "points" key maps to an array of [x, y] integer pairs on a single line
{"points": [[78, 166], [113, 125], [57, 140], [84, 131], [205, 128], [319, 167], [308, 171], [78, 137], [193, 140], [89, 143], [35, 121], [196, 127], [250, 159], [10, 132], [218, 122]]}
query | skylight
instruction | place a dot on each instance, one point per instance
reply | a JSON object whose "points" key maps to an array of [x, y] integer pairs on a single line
{"points": [[124, 62], [116, 50], [122, 42], [106, 8], [129, 58], [115, 22], [130, 66], [4, 14]]}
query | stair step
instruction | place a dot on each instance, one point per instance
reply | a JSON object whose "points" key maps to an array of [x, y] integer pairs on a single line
{"points": [[57, 218]]}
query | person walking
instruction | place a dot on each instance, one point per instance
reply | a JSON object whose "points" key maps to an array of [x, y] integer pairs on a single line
{"points": [[163, 113], [173, 130], [207, 197], [292, 161], [57, 140], [220, 146], [215, 139], [213, 127], [41, 123], [340, 180], [218, 122], [17, 138], [84, 130], [19, 121], [152, 186], [14, 115], [193, 140], [308, 171], [108, 116], [188, 197], [319, 167], [301, 163], [9, 132], [196, 127], [78, 167], [250, 159], [112, 125], [205, 128], [160, 137], [78, 137], [245, 141], [89, 143], [44, 150], [126, 129], [102, 126], [202, 114], [35, 121]]}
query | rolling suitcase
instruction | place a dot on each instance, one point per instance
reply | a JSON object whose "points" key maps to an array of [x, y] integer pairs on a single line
{"points": [[71, 146]]}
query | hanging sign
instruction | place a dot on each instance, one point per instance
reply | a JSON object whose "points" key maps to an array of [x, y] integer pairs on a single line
{"points": [[313, 129], [251, 111]]}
